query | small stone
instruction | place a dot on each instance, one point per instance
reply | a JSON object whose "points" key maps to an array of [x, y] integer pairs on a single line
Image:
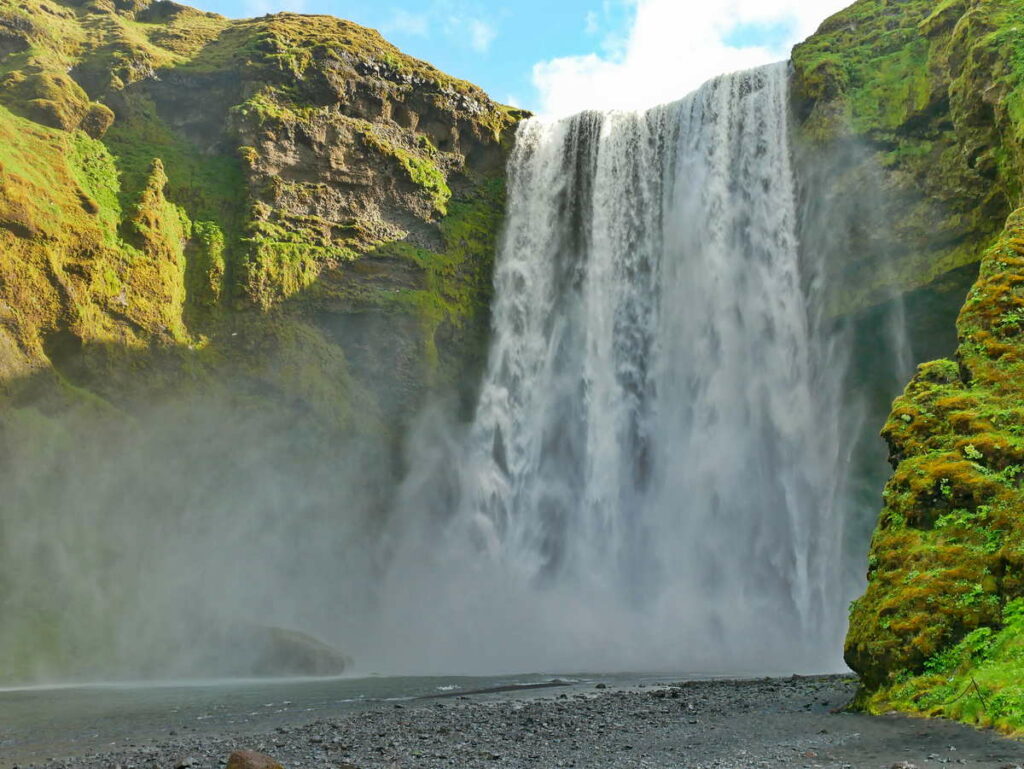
{"points": [[185, 763], [601, 686], [250, 759], [904, 765]]}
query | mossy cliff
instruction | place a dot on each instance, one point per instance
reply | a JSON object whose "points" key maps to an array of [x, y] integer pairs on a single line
{"points": [[200, 197], [923, 104], [236, 258], [939, 628], [910, 139]]}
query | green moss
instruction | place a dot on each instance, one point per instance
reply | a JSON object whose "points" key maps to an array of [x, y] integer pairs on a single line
{"points": [[979, 680], [866, 69], [948, 555], [96, 173], [419, 166], [156, 276], [209, 187], [451, 298], [207, 265], [154, 259], [929, 94]]}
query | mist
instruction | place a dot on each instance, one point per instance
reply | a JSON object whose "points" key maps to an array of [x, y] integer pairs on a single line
{"points": [[672, 463]]}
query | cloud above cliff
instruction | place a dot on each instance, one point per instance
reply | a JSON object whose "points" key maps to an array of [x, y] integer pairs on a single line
{"points": [[672, 47], [461, 24]]}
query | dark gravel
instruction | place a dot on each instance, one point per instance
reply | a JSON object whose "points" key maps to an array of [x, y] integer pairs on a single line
{"points": [[735, 724]]}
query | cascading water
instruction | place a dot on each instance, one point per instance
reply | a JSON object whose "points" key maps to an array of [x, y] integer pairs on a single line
{"points": [[654, 477], [652, 472]]}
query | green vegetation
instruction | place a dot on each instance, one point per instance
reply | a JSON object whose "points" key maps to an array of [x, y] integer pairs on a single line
{"points": [[979, 680], [946, 576], [419, 166], [192, 197], [928, 94], [924, 101]]}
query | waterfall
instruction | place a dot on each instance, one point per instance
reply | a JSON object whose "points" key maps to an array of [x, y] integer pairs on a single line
{"points": [[653, 478], [652, 472]]}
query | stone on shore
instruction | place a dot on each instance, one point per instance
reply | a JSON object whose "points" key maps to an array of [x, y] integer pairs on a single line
{"points": [[250, 759]]}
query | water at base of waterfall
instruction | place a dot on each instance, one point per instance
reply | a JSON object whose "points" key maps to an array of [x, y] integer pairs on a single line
{"points": [[44, 722]]}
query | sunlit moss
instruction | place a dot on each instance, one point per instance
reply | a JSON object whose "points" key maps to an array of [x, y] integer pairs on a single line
{"points": [[946, 559]]}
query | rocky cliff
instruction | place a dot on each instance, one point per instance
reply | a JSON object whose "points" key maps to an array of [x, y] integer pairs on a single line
{"points": [[923, 103], [179, 189], [236, 257]]}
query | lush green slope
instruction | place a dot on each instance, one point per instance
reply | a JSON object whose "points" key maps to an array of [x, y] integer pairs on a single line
{"points": [[169, 176], [930, 96]]}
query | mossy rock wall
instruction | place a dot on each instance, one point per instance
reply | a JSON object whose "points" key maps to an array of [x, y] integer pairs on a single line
{"points": [[908, 140], [947, 560], [910, 137], [236, 259], [170, 176]]}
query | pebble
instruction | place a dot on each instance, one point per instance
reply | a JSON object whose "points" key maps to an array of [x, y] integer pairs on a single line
{"points": [[710, 725]]}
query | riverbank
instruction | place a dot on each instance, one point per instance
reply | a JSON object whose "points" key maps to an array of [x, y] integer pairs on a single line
{"points": [[702, 725]]}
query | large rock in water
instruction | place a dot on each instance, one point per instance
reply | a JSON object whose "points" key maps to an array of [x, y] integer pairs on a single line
{"points": [[281, 652]]}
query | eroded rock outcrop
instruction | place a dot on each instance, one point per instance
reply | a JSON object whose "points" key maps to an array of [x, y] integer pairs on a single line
{"points": [[168, 173]]}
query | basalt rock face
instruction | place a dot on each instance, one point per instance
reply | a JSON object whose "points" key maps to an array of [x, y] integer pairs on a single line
{"points": [[922, 103], [236, 258], [183, 187]]}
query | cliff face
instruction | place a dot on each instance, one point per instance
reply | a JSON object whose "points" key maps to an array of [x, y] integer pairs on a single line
{"points": [[908, 136], [925, 102], [236, 257], [179, 188]]}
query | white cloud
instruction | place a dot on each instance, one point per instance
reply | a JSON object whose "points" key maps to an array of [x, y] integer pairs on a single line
{"points": [[403, 22], [452, 18], [481, 34], [673, 47]]}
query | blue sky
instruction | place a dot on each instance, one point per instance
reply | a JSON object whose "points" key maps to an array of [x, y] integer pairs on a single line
{"points": [[558, 56]]}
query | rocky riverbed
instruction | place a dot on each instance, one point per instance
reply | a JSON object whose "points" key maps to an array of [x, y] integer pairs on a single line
{"points": [[792, 722]]}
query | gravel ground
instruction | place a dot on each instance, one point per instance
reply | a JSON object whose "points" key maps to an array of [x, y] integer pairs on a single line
{"points": [[734, 724]]}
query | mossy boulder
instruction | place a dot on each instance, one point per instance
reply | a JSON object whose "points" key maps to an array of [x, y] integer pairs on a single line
{"points": [[947, 560]]}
